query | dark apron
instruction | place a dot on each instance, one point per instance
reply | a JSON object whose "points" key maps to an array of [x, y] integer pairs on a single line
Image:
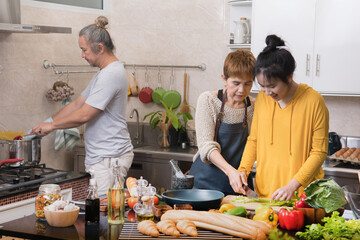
{"points": [[232, 139]]}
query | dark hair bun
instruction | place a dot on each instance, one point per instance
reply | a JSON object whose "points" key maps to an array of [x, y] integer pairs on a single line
{"points": [[273, 41]]}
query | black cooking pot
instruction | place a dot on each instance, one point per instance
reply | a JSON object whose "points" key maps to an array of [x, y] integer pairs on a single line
{"points": [[199, 199], [334, 143]]}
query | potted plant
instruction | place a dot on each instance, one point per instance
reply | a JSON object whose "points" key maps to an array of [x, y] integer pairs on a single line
{"points": [[165, 119]]}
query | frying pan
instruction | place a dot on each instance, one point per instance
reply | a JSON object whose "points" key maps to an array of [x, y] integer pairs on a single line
{"points": [[172, 97], [10, 161], [199, 199]]}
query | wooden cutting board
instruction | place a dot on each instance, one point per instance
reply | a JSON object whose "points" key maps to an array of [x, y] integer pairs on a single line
{"points": [[249, 206]]}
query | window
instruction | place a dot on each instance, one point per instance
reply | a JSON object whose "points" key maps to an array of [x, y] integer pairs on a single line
{"points": [[96, 4]]}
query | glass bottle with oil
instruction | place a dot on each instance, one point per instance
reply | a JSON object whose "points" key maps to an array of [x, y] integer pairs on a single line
{"points": [[116, 199]]}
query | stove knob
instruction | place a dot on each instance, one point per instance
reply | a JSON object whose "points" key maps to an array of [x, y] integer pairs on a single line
{"points": [[27, 178], [16, 180]]}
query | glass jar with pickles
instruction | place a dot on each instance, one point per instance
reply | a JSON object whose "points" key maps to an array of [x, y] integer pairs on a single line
{"points": [[48, 193]]}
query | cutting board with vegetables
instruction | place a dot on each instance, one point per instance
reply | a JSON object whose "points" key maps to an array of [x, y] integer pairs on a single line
{"points": [[251, 206]]}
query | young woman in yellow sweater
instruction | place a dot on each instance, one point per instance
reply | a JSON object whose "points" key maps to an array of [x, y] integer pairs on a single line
{"points": [[289, 133]]}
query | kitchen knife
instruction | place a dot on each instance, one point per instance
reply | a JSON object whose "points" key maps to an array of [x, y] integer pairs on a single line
{"points": [[250, 193]]}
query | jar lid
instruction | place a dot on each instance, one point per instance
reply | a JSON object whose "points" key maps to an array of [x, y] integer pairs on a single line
{"points": [[92, 182], [49, 188], [243, 18]]}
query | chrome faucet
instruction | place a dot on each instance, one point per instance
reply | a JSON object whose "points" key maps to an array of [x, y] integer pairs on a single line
{"points": [[137, 136]]}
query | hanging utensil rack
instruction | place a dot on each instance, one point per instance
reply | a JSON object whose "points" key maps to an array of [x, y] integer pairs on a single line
{"points": [[47, 64]]}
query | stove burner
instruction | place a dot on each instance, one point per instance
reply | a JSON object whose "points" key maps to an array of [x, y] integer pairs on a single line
{"points": [[16, 180], [27, 178], [37, 176]]}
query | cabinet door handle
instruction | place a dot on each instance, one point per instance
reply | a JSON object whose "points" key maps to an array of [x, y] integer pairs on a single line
{"points": [[317, 65], [307, 65]]}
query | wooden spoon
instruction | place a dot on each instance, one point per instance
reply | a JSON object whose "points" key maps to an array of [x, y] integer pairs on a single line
{"points": [[184, 108], [134, 88]]}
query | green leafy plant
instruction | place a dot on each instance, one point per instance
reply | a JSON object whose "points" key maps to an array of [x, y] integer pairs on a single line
{"points": [[178, 119]]}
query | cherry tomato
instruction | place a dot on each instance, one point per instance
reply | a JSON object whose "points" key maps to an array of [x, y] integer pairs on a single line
{"points": [[156, 200], [131, 201], [131, 216]]}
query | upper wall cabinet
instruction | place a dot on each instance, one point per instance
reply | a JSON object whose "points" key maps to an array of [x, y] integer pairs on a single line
{"points": [[240, 9], [323, 37]]}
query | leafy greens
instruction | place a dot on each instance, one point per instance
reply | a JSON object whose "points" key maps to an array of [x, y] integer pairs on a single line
{"points": [[325, 193]]}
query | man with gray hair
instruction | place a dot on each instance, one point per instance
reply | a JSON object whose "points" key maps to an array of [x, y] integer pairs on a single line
{"points": [[102, 106]]}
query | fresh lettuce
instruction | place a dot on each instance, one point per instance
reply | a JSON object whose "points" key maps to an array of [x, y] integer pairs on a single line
{"points": [[325, 193], [335, 227]]}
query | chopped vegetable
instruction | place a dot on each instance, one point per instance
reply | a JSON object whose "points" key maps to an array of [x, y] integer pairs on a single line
{"points": [[267, 215], [226, 207], [237, 211], [291, 220], [325, 193], [300, 203], [264, 201], [335, 227]]}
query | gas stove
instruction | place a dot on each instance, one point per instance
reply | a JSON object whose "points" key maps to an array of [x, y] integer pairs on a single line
{"points": [[14, 179]]}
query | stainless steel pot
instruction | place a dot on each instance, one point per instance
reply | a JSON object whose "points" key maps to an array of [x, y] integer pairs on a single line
{"points": [[29, 150]]}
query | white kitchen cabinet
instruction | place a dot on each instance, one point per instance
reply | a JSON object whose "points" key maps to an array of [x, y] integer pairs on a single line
{"points": [[322, 35], [239, 9]]}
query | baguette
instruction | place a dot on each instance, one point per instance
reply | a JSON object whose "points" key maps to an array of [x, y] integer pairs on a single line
{"points": [[355, 154], [131, 186], [341, 151], [233, 225], [348, 153]]}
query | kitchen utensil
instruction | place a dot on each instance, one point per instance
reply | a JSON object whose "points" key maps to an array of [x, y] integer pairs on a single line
{"points": [[352, 195], [10, 161], [29, 150], [250, 193], [159, 91], [242, 30], [177, 170], [61, 218], [334, 143], [184, 108], [146, 92], [172, 98], [182, 183], [199, 199], [134, 88]]}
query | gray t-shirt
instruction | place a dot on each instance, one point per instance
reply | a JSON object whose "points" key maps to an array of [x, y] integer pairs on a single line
{"points": [[106, 135]]}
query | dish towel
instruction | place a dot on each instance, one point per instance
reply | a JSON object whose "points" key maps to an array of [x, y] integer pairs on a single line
{"points": [[66, 137]]}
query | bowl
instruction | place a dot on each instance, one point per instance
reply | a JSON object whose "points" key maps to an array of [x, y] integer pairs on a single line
{"points": [[61, 218], [315, 215], [352, 195], [199, 199]]}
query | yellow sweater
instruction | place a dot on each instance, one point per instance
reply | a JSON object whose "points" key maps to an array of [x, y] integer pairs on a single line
{"points": [[287, 143]]}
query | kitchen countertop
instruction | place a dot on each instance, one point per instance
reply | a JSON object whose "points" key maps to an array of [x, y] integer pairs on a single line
{"points": [[30, 227], [178, 153], [70, 176]]}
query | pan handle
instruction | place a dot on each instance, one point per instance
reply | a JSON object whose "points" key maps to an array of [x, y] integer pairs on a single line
{"points": [[10, 161]]}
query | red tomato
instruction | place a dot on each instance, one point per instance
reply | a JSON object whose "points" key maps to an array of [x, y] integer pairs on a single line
{"points": [[131, 201], [156, 200], [131, 216]]}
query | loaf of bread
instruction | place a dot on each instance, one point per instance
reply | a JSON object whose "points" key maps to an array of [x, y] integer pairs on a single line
{"points": [[228, 224], [131, 186]]}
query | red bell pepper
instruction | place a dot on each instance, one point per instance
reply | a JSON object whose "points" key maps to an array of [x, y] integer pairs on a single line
{"points": [[291, 220], [300, 203]]}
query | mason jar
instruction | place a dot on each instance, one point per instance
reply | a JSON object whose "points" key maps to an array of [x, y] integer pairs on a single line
{"points": [[48, 193]]}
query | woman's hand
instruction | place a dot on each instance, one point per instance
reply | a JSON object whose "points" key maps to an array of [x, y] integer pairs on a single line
{"points": [[285, 193], [237, 180]]}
